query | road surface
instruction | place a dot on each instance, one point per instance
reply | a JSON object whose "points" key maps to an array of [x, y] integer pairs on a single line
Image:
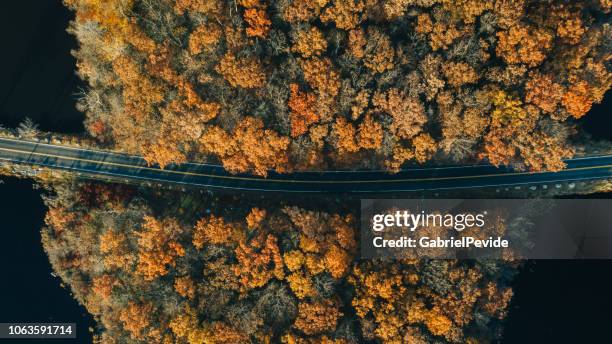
{"points": [[100, 163]]}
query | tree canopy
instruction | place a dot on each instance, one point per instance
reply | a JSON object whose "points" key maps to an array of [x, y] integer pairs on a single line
{"points": [[310, 84]]}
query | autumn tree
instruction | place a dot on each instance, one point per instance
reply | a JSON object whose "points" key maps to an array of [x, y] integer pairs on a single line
{"points": [[158, 247], [136, 318], [246, 73], [268, 273], [313, 70], [512, 120], [116, 250], [250, 148], [370, 134], [302, 106], [197, 6], [344, 14], [314, 318], [327, 248], [378, 52], [524, 44], [577, 99], [424, 147], [213, 230], [321, 76], [407, 112], [542, 91], [346, 135], [303, 10], [256, 18], [255, 218], [163, 153], [185, 286], [258, 262], [204, 38], [459, 73], [309, 42], [467, 10]]}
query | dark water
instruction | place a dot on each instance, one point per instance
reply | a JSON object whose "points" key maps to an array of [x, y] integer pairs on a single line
{"points": [[38, 81], [565, 301], [598, 122], [561, 301], [36, 68], [28, 291]]}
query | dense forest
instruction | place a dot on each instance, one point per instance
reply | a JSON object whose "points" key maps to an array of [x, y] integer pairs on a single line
{"points": [[209, 269], [298, 85], [304, 84]]}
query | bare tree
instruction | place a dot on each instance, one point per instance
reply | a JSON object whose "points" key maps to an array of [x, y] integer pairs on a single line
{"points": [[27, 129]]}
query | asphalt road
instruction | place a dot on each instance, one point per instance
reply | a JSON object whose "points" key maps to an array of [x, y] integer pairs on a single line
{"points": [[100, 163]]}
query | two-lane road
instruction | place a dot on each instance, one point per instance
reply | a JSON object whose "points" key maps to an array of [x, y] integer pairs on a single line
{"points": [[100, 163]]}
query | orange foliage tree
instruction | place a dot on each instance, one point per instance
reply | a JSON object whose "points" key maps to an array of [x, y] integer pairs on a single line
{"points": [[257, 21], [523, 44], [315, 318], [158, 247], [370, 133], [204, 38], [407, 112], [213, 230], [258, 262], [136, 318], [309, 42], [246, 73], [319, 65], [542, 91], [344, 14], [302, 107], [250, 148], [275, 273]]}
